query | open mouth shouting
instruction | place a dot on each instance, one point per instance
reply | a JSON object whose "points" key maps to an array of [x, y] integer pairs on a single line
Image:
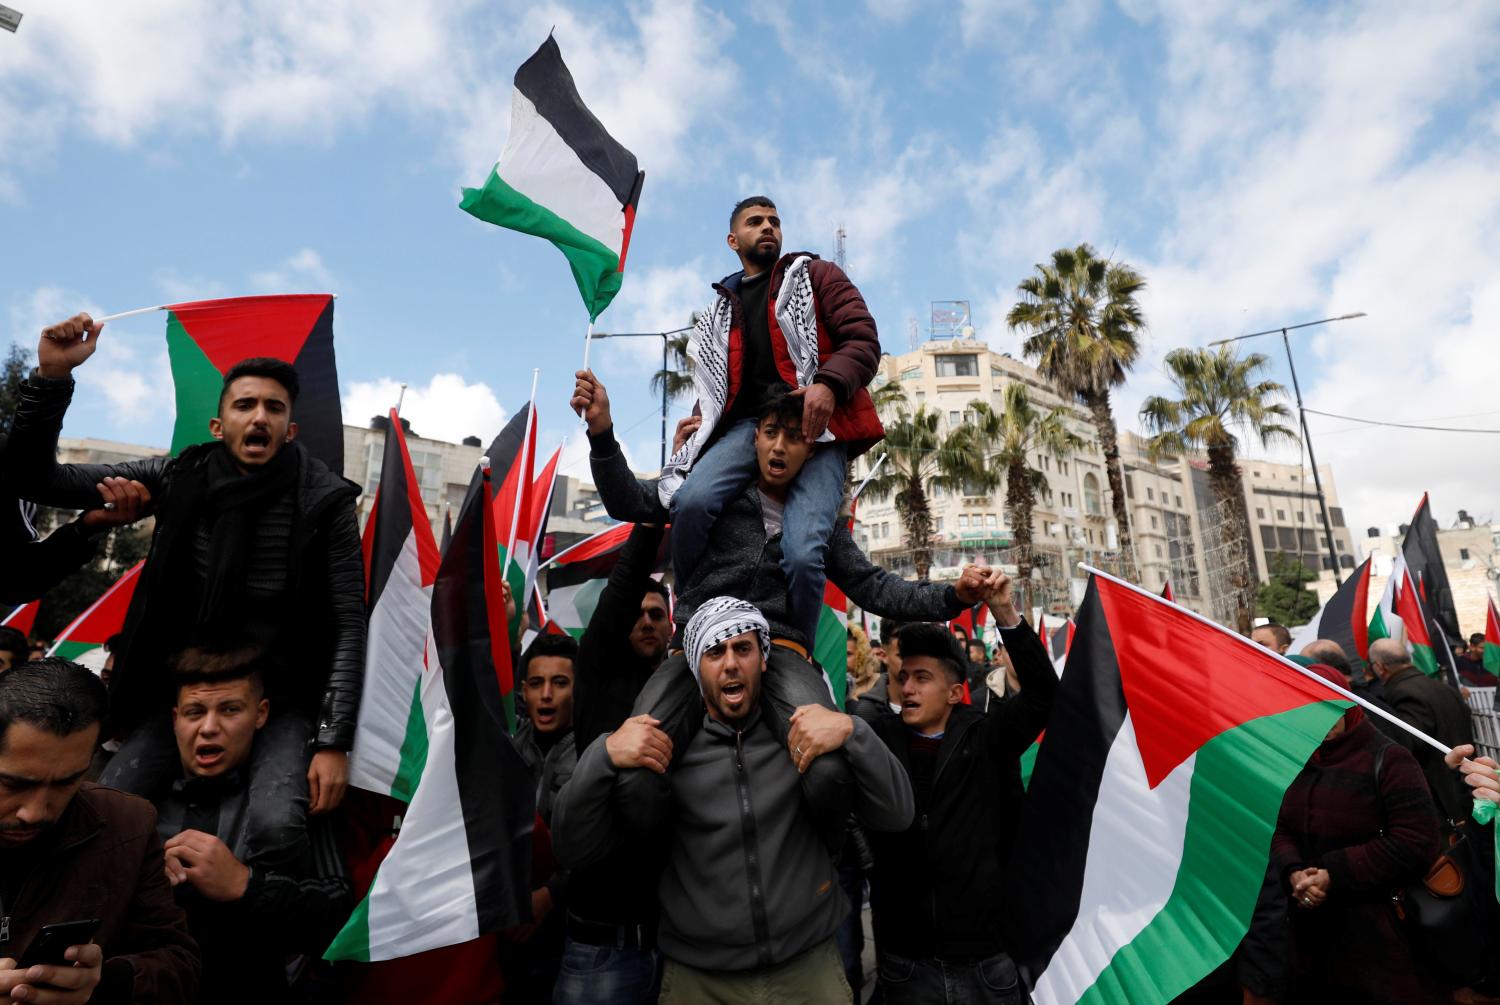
{"points": [[545, 716], [257, 443], [776, 466], [207, 755], [733, 693]]}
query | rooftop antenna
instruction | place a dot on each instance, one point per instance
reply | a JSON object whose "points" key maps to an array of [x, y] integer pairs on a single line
{"points": [[838, 247], [911, 333]]}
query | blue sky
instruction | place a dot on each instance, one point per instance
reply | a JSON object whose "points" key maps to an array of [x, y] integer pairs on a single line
{"points": [[1260, 166]]}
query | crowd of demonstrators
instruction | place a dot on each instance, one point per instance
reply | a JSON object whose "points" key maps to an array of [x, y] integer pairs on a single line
{"points": [[1468, 659], [1433, 707], [1363, 683], [861, 663], [255, 539]]}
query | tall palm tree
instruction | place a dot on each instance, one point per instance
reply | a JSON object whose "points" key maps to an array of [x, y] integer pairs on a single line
{"points": [[1220, 392], [1006, 442], [918, 455], [677, 378], [1082, 323]]}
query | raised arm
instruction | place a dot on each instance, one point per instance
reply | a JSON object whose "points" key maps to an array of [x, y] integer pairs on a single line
{"points": [[1015, 723], [625, 497], [883, 593]]}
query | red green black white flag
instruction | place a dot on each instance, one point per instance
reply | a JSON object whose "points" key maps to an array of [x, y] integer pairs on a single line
{"points": [[208, 337], [101, 619], [1491, 638], [1147, 824], [22, 618], [1342, 617], [562, 177]]}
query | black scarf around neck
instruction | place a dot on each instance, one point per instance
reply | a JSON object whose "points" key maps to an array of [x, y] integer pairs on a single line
{"points": [[231, 503]]}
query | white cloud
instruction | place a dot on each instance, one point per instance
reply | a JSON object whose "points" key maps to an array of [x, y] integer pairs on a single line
{"points": [[658, 298], [303, 272], [448, 408]]}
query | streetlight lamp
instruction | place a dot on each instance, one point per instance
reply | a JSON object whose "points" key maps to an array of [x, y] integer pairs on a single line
{"points": [[1333, 553], [665, 344]]}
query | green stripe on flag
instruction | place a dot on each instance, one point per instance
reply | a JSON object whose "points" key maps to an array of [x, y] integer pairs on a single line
{"points": [[1239, 780], [198, 384], [413, 749], [1492, 658], [1028, 763], [1378, 630], [832, 652], [70, 650], [596, 269], [353, 940], [1424, 660]]}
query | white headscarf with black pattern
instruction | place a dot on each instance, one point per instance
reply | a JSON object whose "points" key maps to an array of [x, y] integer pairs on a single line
{"points": [[718, 620]]}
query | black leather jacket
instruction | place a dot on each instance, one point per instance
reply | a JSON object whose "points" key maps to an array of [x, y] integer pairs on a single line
{"points": [[326, 582]]}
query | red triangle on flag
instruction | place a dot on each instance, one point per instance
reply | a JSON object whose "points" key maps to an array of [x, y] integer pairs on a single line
{"points": [[23, 617], [1186, 681], [277, 326]]}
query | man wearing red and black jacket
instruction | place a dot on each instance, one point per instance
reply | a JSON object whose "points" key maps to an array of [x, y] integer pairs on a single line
{"points": [[610, 953], [782, 319], [935, 888]]}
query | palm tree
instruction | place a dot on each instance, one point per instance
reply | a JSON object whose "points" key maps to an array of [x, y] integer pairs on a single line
{"points": [[1219, 393], [1006, 441], [918, 455], [677, 379], [1083, 321]]}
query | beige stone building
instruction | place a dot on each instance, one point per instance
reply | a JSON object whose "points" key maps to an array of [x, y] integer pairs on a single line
{"points": [[1171, 511]]}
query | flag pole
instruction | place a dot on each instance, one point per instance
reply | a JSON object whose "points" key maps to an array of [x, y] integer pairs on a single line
{"points": [[129, 314], [523, 484], [588, 343], [1304, 671]]}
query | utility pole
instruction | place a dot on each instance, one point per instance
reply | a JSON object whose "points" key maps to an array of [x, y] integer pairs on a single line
{"points": [[838, 247]]}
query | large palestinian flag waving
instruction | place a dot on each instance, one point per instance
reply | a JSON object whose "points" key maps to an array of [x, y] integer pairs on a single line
{"points": [[1147, 825], [401, 565], [206, 338], [101, 619], [1425, 560], [561, 176], [461, 866], [1342, 618]]}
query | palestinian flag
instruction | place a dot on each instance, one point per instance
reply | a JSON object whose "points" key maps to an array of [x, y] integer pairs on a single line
{"points": [[576, 576], [1147, 826], [533, 529], [206, 338], [461, 866], [1491, 638], [512, 456], [23, 617], [1342, 618], [1060, 643], [1057, 645], [562, 177], [970, 623], [401, 565], [831, 650], [1400, 615], [1166, 592], [1425, 560], [101, 619]]}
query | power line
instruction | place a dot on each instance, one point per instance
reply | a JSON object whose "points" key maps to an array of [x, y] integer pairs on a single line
{"points": [[1398, 425]]}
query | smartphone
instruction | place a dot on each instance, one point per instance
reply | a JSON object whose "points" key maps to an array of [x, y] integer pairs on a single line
{"points": [[53, 940]]}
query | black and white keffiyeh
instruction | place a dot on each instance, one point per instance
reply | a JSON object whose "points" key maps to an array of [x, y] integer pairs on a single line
{"points": [[720, 619]]}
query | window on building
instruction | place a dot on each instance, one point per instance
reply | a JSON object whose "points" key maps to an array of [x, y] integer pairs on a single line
{"points": [[956, 365], [1346, 561], [1150, 494], [1093, 502], [1301, 517], [937, 525], [963, 521], [953, 418], [990, 520], [1154, 522], [885, 530], [1336, 516], [912, 373], [935, 490], [1463, 554], [1281, 514], [1177, 501], [1268, 538], [1062, 466], [1260, 512], [1129, 487]]}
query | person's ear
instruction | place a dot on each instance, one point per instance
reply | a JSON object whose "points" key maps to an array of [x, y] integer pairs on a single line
{"points": [[291, 432], [733, 242], [216, 428], [956, 693], [262, 712]]}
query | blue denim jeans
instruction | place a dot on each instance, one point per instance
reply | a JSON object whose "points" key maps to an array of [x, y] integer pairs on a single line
{"points": [[936, 982], [851, 931], [604, 975], [812, 507]]}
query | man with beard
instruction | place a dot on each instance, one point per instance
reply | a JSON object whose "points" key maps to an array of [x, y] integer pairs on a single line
{"points": [[750, 897], [792, 319], [256, 540]]}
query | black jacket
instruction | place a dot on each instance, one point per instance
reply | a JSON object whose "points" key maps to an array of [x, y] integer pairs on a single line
{"points": [[32, 567], [607, 675], [935, 889], [747, 564], [325, 626], [1440, 712]]}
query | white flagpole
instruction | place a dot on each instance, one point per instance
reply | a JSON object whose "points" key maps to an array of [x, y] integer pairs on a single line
{"points": [[129, 314], [1304, 671], [588, 343], [873, 472]]}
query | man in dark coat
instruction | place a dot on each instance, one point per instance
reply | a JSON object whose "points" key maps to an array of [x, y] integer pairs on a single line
{"points": [[1434, 708], [255, 540], [935, 890], [71, 850]]}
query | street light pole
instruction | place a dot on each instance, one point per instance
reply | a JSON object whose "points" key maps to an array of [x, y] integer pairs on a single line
{"points": [[1312, 459], [665, 345]]}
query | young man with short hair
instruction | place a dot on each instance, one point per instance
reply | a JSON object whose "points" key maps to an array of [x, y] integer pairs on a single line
{"points": [[789, 319], [249, 907], [255, 539], [1275, 637], [750, 898], [72, 851], [935, 890], [545, 739]]}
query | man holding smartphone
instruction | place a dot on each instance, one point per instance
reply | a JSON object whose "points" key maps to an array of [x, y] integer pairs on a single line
{"points": [[83, 887]]}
